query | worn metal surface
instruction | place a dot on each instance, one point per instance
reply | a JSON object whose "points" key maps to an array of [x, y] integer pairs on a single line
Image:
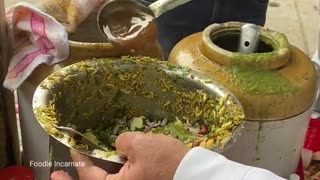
{"points": [[9, 140], [267, 144], [3, 151]]}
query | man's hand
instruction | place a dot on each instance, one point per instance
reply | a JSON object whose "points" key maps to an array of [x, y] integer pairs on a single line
{"points": [[149, 157]]}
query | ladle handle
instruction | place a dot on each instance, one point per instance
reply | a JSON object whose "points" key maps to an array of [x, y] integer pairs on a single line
{"points": [[249, 38], [161, 6]]}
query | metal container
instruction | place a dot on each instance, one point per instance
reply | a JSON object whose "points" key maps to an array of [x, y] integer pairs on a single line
{"points": [[9, 143], [93, 93], [276, 84], [4, 160], [37, 145]]}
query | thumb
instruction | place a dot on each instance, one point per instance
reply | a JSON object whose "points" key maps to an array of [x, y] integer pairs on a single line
{"points": [[86, 169], [60, 175], [126, 143], [81, 159]]}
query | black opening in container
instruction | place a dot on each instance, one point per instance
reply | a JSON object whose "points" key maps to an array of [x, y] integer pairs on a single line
{"points": [[230, 42]]}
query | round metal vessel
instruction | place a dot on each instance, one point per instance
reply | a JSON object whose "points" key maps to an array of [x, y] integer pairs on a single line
{"points": [[276, 85], [83, 45], [80, 96]]}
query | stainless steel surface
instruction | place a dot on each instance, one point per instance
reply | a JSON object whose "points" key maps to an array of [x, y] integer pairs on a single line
{"points": [[262, 143], [4, 44], [9, 127], [4, 159], [249, 38], [191, 80], [155, 9], [108, 9]]}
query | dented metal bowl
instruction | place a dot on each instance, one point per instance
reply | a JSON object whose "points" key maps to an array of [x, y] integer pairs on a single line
{"points": [[97, 95]]}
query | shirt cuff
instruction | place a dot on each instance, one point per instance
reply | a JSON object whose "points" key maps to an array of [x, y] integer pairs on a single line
{"points": [[200, 163]]}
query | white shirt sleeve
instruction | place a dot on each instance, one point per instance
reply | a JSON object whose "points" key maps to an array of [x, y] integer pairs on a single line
{"points": [[203, 164]]}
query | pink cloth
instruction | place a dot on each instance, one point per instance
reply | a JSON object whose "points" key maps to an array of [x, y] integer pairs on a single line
{"points": [[47, 42], [43, 39]]}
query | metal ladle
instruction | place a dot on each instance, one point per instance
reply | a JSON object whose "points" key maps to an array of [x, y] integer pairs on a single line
{"points": [[249, 38], [155, 10], [74, 133]]}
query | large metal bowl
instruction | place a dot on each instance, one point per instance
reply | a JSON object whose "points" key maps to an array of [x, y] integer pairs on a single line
{"points": [[80, 95]]}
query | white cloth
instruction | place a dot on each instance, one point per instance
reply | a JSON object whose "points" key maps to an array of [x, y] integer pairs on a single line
{"points": [[202, 164], [39, 38]]}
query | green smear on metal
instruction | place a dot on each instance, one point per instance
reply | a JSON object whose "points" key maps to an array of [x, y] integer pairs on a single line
{"points": [[267, 82], [276, 41], [255, 60], [96, 96]]}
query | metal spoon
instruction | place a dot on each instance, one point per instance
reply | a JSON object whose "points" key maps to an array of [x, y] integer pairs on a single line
{"points": [[74, 133], [115, 8]]}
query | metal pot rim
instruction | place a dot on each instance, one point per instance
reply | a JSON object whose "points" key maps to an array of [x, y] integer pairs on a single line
{"points": [[41, 98]]}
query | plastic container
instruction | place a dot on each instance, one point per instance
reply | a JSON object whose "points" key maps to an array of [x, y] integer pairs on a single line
{"points": [[311, 140], [313, 134], [300, 170], [16, 172]]}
